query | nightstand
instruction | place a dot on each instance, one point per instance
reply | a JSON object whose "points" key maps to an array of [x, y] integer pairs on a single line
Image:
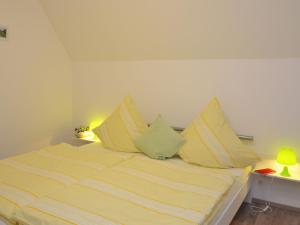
{"points": [[82, 141], [274, 187], [79, 141]]}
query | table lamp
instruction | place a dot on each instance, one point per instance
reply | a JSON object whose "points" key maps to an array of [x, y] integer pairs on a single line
{"points": [[286, 157]]}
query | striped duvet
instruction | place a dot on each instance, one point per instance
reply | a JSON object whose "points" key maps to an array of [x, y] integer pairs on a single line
{"points": [[26, 178], [134, 191]]}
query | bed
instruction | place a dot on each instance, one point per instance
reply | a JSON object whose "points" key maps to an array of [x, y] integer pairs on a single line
{"points": [[62, 185]]}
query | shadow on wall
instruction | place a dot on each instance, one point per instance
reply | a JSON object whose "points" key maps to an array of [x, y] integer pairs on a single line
{"points": [[63, 135]]}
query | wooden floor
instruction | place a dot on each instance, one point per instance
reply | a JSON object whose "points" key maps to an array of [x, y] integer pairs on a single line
{"points": [[278, 216]]}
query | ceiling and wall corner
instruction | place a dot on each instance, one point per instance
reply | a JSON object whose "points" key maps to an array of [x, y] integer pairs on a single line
{"points": [[93, 30]]}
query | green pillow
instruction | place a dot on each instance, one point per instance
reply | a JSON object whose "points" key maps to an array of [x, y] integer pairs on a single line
{"points": [[159, 141]]}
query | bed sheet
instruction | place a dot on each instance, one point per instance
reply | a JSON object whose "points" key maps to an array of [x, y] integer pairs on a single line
{"points": [[28, 177], [138, 191]]}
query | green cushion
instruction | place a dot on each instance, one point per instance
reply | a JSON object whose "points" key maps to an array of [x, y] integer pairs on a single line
{"points": [[159, 141]]}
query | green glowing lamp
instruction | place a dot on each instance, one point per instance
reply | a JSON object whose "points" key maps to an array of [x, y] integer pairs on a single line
{"points": [[286, 157]]}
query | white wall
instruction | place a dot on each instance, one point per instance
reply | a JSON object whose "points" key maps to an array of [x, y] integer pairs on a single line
{"points": [[94, 30], [35, 80], [260, 97]]}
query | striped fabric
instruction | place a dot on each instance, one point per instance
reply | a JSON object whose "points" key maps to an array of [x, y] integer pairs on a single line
{"points": [[122, 127], [138, 191], [71, 214], [28, 177], [211, 141], [4, 221]]}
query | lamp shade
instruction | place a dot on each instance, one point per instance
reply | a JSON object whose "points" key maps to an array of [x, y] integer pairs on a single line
{"points": [[287, 157]]}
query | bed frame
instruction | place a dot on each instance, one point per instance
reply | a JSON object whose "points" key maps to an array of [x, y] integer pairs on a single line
{"points": [[225, 216]]}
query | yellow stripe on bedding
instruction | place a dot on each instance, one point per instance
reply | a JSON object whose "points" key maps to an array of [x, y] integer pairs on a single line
{"points": [[75, 163], [45, 171], [40, 172], [6, 222], [155, 205], [211, 142], [119, 130], [157, 192], [92, 154], [69, 213], [137, 191], [11, 199], [22, 188], [56, 167], [16, 196], [92, 202], [166, 182], [29, 182], [181, 172]]}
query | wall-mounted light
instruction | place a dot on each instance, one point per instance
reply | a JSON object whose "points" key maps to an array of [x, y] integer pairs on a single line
{"points": [[95, 123], [3, 33]]}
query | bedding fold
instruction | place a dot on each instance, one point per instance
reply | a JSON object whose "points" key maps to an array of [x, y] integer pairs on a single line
{"points": [[134, 192], [28, 177]]}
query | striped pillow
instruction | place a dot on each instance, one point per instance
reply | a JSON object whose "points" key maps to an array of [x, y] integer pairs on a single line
{"points": [[211, 142], [123, 126]]}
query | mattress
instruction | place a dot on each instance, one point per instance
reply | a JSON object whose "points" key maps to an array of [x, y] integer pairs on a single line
{"points": [[26, 178], [136, 191]]}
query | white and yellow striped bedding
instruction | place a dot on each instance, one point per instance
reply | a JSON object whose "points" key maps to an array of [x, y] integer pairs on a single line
{"points": [[28, 177], [137, 191], [4, 221]]}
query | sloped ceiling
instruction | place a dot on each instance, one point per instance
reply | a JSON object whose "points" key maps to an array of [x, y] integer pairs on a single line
{"points": [[176, 29]]}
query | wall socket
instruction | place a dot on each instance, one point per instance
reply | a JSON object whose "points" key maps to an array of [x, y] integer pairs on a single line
{"points": [[3, 33]]}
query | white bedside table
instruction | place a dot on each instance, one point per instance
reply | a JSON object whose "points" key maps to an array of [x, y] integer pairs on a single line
{"points": [[274, 187], [75, 141], [80, 141]]}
